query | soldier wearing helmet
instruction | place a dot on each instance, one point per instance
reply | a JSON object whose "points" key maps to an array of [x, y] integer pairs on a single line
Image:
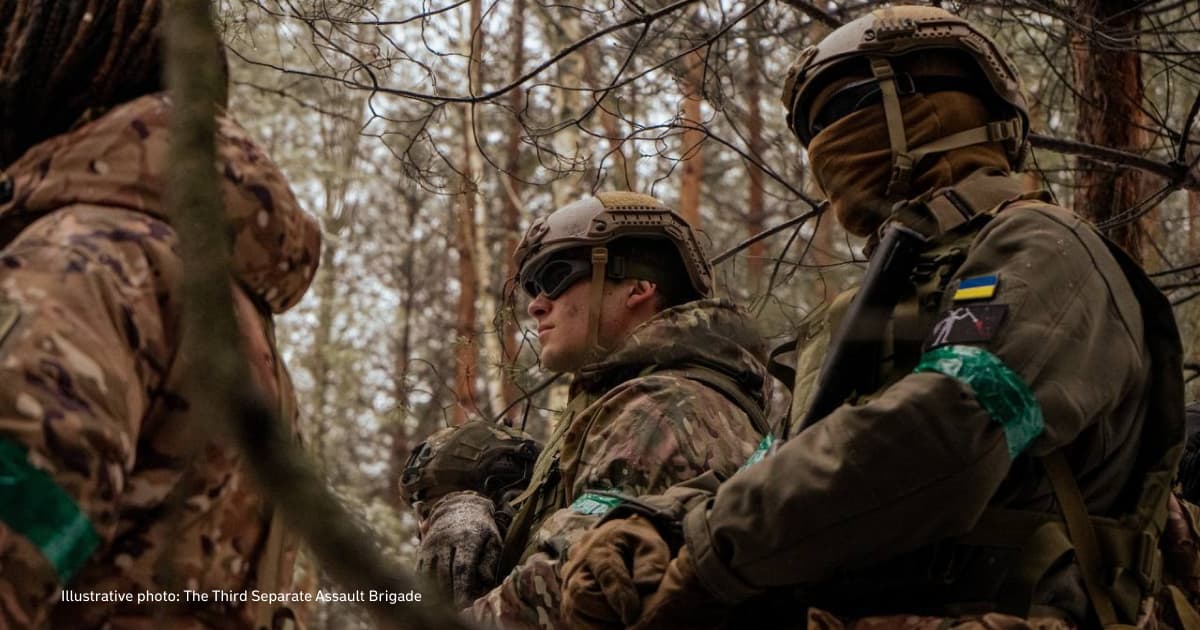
{"points": [[994, 476], [668, 384], [626, 238], [102, 489]]}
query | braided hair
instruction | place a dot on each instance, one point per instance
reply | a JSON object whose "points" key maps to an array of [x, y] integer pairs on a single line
{"points": [[63, 59]]}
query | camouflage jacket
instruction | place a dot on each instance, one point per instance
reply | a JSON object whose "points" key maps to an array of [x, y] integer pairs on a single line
{"points": [[94, 431], [636, 424]]}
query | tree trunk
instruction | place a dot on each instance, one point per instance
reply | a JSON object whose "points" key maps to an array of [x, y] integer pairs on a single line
{"points": [[510, 329], [466, 355], [614, 157], [401, 366], [1108, 74], [466, 350], [566, 186], [1193, 222], [754, 197], [318, 358], [693, 138]]}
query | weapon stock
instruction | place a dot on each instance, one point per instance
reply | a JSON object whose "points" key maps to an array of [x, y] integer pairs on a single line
{"points": [[851, 364]]}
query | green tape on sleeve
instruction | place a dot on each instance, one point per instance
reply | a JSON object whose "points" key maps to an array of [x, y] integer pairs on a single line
{"points": [[1000, 391], [36, 507], [594, 504], [760, 453]]}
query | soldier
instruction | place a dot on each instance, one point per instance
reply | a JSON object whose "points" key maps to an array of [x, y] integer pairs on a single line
{"points": [[1010, 468], [100, 497], [668, 384]]}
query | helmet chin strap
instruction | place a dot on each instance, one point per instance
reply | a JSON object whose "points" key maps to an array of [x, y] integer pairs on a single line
{"points": [[904, 159], [599, 264]]}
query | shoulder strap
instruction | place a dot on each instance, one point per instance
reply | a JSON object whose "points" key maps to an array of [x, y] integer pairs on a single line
{"points": [[531, 503], [1082, 534], [944, 210]]}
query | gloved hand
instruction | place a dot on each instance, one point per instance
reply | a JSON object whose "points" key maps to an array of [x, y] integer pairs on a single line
{"points": [[681, 601], [1181, 545], [460, 546], [610, 570]]}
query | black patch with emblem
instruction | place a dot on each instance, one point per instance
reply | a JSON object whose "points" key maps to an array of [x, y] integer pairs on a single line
{"points": [[967, 324]]}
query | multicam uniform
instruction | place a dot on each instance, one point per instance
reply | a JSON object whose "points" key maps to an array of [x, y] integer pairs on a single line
{"points": [[93, 427], [638, 422]]}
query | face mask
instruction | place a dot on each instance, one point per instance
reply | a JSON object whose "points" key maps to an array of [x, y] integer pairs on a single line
{"points": [[852, 158]]}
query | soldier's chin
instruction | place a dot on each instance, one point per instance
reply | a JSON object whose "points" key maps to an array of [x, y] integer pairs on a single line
{"points": [[557, 361]]}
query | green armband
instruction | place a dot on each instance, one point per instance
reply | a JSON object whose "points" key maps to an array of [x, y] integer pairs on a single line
{"points": [[34, 506], [760, 453], [592, 504], [999, 390]]}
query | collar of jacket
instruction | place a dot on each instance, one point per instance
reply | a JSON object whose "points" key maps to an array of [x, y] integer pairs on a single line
{"points": [[713, 333]]}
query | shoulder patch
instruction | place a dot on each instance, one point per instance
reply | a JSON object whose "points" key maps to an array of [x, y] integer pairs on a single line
{"points": [[967, 324], [977, 288]]}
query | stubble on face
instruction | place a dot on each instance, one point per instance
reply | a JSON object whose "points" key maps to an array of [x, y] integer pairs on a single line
{"points": [[565, 348]]}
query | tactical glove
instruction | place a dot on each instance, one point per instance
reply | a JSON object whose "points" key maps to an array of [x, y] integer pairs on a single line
{"points": [[460, 546], [610, 570], [1181, 545], [681, 601]]}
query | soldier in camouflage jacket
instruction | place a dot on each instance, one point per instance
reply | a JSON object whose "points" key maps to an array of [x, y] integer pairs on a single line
{"points": [[93, 427], [680, 389]]}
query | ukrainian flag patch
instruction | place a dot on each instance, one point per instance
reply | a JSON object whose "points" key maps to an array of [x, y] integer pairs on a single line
{"points": [[977, 288]]}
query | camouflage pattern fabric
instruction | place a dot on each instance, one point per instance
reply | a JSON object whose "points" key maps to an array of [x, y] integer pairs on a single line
{"points": [[90, 371], [821, 620], [643, 434]]}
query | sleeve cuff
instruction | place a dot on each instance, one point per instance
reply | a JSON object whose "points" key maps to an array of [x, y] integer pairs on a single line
{"points": [[719, 580]]}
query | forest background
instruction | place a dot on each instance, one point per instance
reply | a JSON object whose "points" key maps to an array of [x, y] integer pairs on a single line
{"points": [[427, 134]]}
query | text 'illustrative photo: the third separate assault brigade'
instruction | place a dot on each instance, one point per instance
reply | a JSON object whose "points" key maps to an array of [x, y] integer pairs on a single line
{"points": [[983, 433]]}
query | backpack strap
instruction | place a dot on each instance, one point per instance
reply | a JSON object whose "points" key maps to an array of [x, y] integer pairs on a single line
{"points": [[1083, 535]]}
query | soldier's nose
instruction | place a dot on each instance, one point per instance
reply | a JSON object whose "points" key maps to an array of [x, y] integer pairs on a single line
{"points": [[539, 306]]}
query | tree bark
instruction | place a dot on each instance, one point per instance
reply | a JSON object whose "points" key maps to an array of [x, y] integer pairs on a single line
{"points": [[692, 178], [1193, 221], [466, 352], [466, 355], [755, 213], [401, 351], [1108, 73], [510, 329]]}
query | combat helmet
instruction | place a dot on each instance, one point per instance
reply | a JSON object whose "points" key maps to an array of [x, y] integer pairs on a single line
{"points": [[878, 39], [591, 224]]}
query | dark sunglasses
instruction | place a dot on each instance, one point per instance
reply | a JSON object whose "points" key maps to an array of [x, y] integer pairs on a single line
{"points": [[555, 277]]}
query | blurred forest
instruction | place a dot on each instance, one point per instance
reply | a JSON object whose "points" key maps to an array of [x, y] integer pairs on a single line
{"points": [[426, 134]]}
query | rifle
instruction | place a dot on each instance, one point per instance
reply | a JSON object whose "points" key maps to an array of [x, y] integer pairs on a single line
{"points": [[852, 363]]}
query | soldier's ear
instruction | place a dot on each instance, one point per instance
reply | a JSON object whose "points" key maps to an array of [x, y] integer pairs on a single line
{"points": [[640, 292]]}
